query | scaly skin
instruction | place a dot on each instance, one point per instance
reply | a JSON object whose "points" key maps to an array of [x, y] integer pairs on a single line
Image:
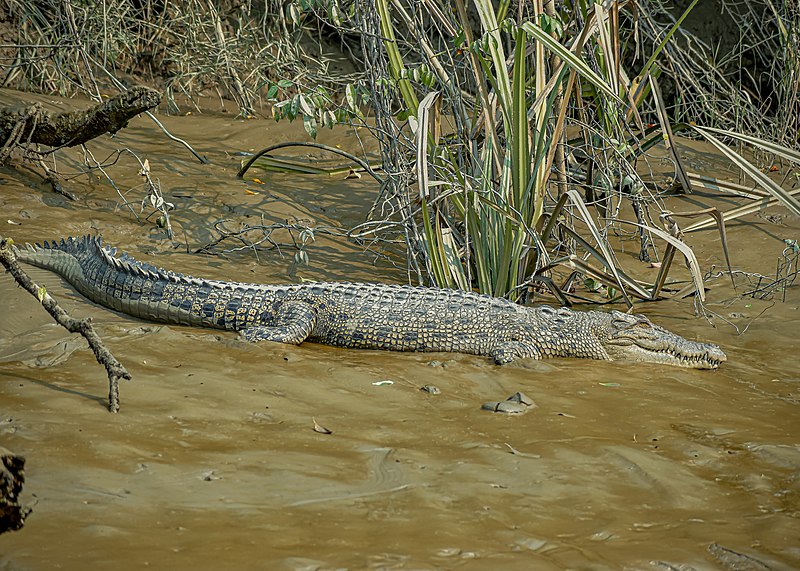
{"points": [[364, 316]]}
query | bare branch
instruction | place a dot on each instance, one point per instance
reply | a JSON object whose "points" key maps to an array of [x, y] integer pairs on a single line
{"points": [[113, 367]]}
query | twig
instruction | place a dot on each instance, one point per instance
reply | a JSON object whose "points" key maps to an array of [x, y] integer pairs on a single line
{"points": [[169, 135], [51, 177], [113, 367]]}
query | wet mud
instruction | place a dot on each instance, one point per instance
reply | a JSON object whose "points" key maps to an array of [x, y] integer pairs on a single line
{"points": [[214, 460]]}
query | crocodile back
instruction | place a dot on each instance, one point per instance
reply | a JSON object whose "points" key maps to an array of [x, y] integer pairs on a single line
{"points": [[405, 318], [356, 315]]}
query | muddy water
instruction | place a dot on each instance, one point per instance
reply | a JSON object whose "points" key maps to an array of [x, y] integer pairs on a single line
{"points": [[213, 461]]}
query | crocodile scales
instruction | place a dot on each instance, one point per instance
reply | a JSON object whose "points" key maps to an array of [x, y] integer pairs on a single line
{"points": [[361, 315]]}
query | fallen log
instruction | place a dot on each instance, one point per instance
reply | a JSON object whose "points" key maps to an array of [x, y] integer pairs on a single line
{"points": [[32, 124]]}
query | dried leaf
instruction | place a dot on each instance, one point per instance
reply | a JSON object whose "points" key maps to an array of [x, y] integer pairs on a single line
{"points": [[760, 204], [760, 178], [145, 168], [607, 257], [319, 428], [691, 260], [352, 174]]}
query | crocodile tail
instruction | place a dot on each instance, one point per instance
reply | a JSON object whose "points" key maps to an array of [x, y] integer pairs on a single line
{"points": [[60, 256]]}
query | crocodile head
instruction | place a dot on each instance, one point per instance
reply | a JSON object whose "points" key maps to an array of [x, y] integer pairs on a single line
{"points": [[634, 338]]}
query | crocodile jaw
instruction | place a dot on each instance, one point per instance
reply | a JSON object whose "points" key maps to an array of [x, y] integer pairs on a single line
{"points": [[634, 338], [691, 355]]}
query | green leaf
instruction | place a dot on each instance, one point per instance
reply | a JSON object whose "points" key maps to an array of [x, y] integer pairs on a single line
{"points": [[310, 125], [301, 257], [291, 110], [396, 64], [666, 39], [571, 59], [293, 13], [520, 148], [350, 96], [335, 14], [306, 105], [459, 39], [592, 285], [272, 92], [769, 146], [40, 293], [551, 25], [285, 83]]}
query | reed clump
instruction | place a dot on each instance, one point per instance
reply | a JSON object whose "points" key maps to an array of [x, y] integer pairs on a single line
{"points": [[516, 139]]}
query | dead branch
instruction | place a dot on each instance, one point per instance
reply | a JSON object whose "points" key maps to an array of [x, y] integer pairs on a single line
{"points": [[113, 367], [32, 124], [12, 477]]}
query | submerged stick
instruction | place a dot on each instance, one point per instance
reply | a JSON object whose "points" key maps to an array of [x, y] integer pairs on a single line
{"points": [[113, 367], [363, 164]]}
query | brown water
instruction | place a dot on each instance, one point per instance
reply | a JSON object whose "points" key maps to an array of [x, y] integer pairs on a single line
{"points": [[213, 462]]}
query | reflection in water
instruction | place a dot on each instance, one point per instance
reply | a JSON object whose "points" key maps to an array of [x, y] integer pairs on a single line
{"points": [[213, 461]]}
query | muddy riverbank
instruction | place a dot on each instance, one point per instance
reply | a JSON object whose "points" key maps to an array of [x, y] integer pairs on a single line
{"points": [[213, 461]]}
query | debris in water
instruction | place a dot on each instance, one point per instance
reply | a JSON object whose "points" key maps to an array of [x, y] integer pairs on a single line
{"points": [[735, 561], [319, 428], [430, 389], [515, 404]]}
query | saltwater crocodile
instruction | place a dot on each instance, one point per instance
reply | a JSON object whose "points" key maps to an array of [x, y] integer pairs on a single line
{"points": [[361, 315]]}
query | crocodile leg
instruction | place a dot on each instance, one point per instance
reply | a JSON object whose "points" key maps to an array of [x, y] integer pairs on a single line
{"points": [[507, 351], [292, 324]]}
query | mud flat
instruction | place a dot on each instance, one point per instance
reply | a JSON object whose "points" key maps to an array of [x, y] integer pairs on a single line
{"points": [[214, 461]]}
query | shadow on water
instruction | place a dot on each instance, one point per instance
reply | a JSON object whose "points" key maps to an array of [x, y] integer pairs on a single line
{"points": [[17, 376]]}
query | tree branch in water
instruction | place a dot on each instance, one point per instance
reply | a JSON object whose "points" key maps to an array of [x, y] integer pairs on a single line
{"points": [[33, 124], [113, 367]]}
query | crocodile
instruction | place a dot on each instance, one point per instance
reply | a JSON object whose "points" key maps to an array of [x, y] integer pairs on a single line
{"points": [[363, 315]]}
